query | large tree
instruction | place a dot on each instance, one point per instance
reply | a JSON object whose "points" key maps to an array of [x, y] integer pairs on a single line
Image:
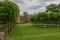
{"points": [[9, 12], [53, 8]]}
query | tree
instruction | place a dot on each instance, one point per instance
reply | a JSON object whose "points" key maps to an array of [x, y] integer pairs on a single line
{"points": [[9, 12], [58, 9], [58, 17], [53, 8], [53, 17]]}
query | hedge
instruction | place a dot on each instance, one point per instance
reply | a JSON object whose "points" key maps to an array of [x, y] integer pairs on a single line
{"points": [[9, 12]]}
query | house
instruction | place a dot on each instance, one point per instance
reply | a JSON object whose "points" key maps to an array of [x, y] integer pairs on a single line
{"points": [[25, 18]]}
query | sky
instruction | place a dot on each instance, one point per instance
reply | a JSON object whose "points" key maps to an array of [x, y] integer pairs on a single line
{"points": [[34, 6]]}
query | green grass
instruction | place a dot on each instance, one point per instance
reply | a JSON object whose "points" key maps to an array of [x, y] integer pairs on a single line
{"points": [[28, 32]]}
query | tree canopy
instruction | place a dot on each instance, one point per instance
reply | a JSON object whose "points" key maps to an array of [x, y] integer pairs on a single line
{"points": [[46, 17], [9, 11], [53, 8]]}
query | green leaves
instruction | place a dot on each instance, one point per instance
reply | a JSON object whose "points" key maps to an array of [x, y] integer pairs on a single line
{"points": [[53, 8], [46, 17], [9, 11]]}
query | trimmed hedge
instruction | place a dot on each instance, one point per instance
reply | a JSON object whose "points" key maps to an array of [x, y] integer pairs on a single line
{"points": [[9, 12]]}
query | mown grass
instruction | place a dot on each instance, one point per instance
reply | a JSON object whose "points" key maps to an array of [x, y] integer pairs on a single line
{"points": [[28, 32]]}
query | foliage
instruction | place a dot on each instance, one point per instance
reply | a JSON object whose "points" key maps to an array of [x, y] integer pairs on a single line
{"points": [[9, 11], [46, 17], [51, 15], [53, 8]]}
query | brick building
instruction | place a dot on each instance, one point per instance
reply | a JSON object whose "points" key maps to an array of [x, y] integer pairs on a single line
{"points": [[25, 18]]}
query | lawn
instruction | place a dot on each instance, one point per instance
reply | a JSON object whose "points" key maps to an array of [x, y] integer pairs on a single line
{"points": [[28, 32]]}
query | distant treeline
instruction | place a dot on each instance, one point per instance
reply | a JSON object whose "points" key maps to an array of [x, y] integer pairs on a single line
{"points": [[46, 17], [51, 14]]}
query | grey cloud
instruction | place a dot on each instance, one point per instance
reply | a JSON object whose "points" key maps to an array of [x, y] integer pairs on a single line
{"points": [[35, 7], [18, 1], [32, 8], [44, 0], [43, 4]]}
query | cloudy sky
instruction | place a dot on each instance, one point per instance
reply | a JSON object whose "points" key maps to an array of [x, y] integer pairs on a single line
{"points": [[32, 6]]}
